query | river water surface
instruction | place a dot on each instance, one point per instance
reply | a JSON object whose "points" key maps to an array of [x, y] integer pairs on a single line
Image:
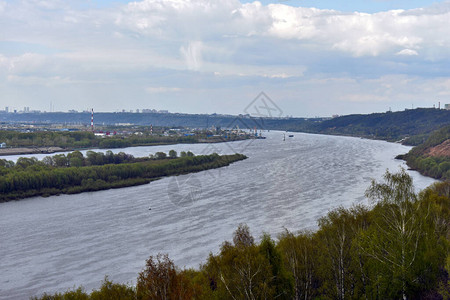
{"points": [[55, 243]]}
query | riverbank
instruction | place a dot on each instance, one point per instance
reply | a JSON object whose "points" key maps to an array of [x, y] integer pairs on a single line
{"points": [[432, 157], [52, 150], [33, 150], [31, 178], [47, 142]]}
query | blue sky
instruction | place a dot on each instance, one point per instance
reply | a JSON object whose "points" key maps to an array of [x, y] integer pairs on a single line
{"points": [[367, 6], [313, 58]]}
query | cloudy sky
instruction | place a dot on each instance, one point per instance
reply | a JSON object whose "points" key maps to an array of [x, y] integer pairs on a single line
{"points": [[312, 57]]}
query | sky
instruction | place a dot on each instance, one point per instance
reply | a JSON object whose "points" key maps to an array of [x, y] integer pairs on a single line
{"points": [[311, 57]]}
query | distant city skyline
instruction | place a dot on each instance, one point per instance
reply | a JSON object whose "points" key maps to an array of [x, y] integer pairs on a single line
{"points": [[312, 57]]}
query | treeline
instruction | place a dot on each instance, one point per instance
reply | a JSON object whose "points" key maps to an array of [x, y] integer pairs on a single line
{"points": [[86, 139], [75, 173], [390, 126], [76, 139], [398, 249], [433, 165], [412, 125]]}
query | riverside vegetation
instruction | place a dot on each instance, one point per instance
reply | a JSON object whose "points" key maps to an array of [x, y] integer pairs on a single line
{"points": [[85, 139], [396, 249], [432, 157], [75, 173], [142, 136]]}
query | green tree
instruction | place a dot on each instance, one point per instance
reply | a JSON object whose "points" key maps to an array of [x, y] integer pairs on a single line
{"points": [[115, 291], [160, 155], [241, 271], [161, 281], [173, 154], [395, 239], [299, 255], [281, 283], [60, 160]]}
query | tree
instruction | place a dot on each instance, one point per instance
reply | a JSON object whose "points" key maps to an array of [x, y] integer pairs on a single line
{"points": [[173, 154], [299, 257], [395, 238], [335, 239], [25, 162], [76, 159], [281, 283], [110, 290], [241, 270], [161, 281], [160, 155], [242, 237], [60, 160], [48, 160]]}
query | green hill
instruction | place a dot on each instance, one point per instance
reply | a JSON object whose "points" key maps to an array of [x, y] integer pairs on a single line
{"points": [[411, 125], [432, 158]]}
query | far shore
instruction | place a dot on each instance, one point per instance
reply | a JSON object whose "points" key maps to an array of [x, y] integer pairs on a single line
{"points": [[51, 150], [33, 150]]}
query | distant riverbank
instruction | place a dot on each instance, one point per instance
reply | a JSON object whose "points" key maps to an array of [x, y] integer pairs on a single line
{"points": [[47, 142], [114, 143], [74, 173], [34, 150]]}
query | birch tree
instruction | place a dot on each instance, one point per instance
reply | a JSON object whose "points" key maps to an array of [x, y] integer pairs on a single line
{"points": [[299, 254], [335, 238], [397, 231]]}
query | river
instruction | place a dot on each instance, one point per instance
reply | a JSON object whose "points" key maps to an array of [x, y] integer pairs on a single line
{"points": [[55, 243]]}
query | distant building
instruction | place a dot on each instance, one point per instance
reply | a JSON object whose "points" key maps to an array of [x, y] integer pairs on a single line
{"points": [[2, 145], [447, 106], [146, 110], [6, 109]]}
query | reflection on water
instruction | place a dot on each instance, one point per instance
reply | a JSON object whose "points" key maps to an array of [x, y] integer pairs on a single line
{"points": [[50, 244]]}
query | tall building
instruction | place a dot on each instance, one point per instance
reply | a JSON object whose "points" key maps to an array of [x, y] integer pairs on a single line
{"points": [[447, 106], [6, 109]]}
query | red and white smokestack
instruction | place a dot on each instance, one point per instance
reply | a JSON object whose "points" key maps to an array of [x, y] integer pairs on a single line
{"points": [[151, 129], [92, 120]]}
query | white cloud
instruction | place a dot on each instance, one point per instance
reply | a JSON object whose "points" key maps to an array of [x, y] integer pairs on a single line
{"points": [[407, 52], [26, 63], [364, 98], [192, 55], [39, 81], [226, 46], [359, 34], [161, 89]]}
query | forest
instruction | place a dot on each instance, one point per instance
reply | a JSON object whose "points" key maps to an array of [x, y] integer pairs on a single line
{"points": [[395, 248], [411, 125], [437, 165], [75, 173], [142, 136], [85, 139]]}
